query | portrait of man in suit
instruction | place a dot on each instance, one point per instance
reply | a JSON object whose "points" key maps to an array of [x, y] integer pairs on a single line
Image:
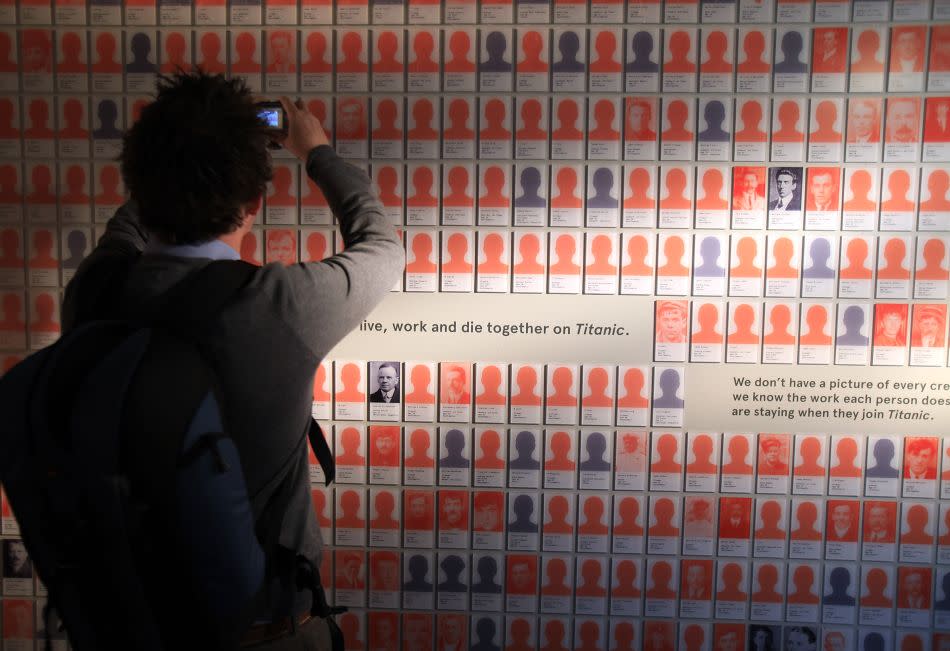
{"points": [[16, 560], [937, 120], [697, 583], [928, 326], [920, 458], [902, 123], [842, 521], [830, 55], [455, 385], [745, 191], [913, 588], [451, 633], [735, 517], [387, 382], [880, 519], [785, 189]]}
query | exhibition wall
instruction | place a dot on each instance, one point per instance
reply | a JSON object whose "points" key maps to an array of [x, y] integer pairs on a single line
{"points": [[668, 366]]}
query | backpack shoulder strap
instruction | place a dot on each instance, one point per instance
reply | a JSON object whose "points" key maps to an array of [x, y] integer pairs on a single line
{"points": [[200, 296], [93, 295], [183, 310]]}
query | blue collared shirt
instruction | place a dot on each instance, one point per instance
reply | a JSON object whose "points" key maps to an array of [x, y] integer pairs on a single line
{"points": [[212, 249]]}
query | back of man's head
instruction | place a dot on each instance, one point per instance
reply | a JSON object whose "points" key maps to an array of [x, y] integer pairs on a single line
{"points": [[196, 156]]}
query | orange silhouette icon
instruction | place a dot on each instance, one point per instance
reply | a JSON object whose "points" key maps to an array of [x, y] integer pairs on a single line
{"points": [[352, 378], [491, 380], [663, 513], [708, 319], [532, 44], [860, 185], [601, 249], [604, 114], [563, 382], [629, 511], [490, 444], [350, 504], [675, 182], [561, 449], [768, 579], [857, 253], [810, 451], [788, 116], [677, 113], [494, 196], [460, 45], [459, 113], [780, 318], [894, 253], [422, 252], [712, 190], [637, 250], [746, 250], [423, 46], [826, 114], [598, 380], [458, 181], [803, 579], [716, 46], [422, 115], [898, 185], [751, 115], [565, 247], [531, 115], [245, 45], [419, 443], [674, 249], [938, 184], [387, 112], [783, 249], [529, 247], [639, 183], [753, 46], [743, 319], [661, 574], [567, 115], [666, 449], [702, 449], [351, 46], [633, 384], [816, 318], [422, 181], [933, 253], [421, 378], [495, 113], [679, 47], [527, 382], [387, 46], [606, 47], [493, 247], [350, 441], [316, 46]]}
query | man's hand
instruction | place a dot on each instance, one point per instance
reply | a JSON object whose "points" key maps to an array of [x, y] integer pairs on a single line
{"points": [[304, 131]]}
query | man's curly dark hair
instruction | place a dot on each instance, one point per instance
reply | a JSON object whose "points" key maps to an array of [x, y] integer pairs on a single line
{"points": [[197, 154]]}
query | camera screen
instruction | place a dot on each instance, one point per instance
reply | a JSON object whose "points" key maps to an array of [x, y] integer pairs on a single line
{"points": [[271, 117]]}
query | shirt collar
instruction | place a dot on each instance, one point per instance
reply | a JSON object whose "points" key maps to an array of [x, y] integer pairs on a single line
{"points": [[212, 249]]}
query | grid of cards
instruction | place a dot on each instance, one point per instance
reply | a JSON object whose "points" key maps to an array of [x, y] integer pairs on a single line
{"points": [[769, 177]]}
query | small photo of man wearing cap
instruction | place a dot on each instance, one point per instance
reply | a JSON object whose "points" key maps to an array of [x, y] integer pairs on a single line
{"points": [[671, 322], [929, 326]]}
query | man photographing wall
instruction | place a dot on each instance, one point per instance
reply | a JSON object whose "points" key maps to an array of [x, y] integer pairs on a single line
{"points": [[196, 165]]}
